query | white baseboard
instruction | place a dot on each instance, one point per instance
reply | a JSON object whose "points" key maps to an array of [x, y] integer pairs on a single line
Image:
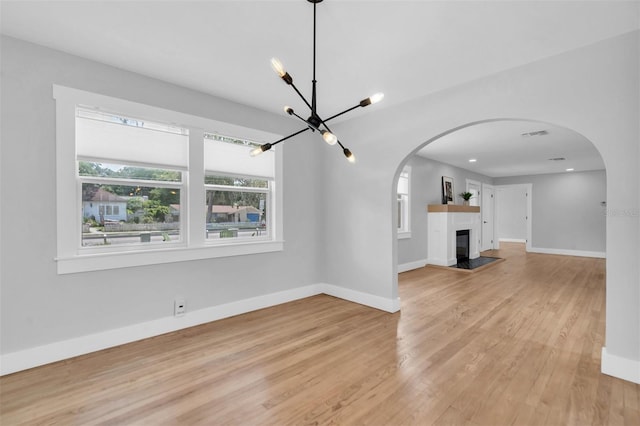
{"points": [[512, 240], [441, 262], [622, 368], [57, 351], [564, 252], [378, 302], [409, 266]]}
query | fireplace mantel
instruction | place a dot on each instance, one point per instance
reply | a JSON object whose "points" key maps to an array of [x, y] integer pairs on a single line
{"points": [[452, 208], [443, 222]]}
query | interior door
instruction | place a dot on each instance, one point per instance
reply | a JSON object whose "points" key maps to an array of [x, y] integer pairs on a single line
{"points": [[487, 212], [474, 188]]}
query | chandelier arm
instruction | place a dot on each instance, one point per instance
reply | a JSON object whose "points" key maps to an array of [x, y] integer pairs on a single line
{"points": [[290, 136], [301, 96], [341, 113], [301, 119]]}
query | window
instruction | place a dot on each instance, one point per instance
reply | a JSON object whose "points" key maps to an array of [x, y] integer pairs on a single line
{"points": [[131, 175], [237, 192], [149, 190], [404, 185]]}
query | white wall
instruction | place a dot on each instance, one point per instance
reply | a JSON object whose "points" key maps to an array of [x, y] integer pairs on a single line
{"points": [[593, 90], [511, 212], [426, 188], [38, 306], [567, 211]]}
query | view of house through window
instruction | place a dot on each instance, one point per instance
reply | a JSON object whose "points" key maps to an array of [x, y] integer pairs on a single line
{"points": [[237, 191], [131, 178], [141, 185], [117, 213]]}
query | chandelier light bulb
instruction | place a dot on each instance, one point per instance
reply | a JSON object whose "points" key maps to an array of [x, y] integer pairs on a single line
{"points": [[278, 67], [376, 98], [260, 149], [373, 99], [350, 157], [329, 137]]}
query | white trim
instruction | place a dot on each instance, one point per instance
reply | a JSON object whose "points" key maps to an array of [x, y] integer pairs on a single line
{"points": [[565, 252], [512, 240], [57, 351], [404, 235], [72, 258], [478, 184], [622, 368], [409, 266], [373, 301], [528, 187], [122, 259]]}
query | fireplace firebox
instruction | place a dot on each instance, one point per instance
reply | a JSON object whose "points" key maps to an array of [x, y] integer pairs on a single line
{"points": [[462, 245]]}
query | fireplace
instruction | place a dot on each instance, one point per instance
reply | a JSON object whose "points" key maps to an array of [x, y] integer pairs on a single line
{"points": [[462, 245], [443, 240]]}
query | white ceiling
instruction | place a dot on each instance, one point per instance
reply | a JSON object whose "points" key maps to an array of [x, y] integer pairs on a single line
{"points": [[500, 149], [404, 48]]}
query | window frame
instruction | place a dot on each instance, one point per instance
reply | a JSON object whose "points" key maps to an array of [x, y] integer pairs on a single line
{"points": [[404, 231], [71, 258], [230, 188]]}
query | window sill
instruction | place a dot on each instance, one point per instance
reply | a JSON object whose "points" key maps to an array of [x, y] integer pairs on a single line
{"points": [[104, 261], [404, 235]]}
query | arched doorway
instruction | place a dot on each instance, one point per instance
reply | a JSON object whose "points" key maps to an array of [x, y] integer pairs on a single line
{"points": [[505, 156]]}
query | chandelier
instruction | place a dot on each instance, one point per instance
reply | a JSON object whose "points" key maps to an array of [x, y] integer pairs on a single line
{"points": [[314, 122]]}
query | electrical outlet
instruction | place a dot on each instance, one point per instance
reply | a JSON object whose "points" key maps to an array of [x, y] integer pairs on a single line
{"points": [[179, 307]]}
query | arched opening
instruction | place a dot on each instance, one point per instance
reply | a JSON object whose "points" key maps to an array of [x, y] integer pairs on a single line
{"points": [[508, 155]]}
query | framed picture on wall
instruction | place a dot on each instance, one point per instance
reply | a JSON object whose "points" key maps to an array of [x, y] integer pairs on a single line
{"points": [[447, 190]]}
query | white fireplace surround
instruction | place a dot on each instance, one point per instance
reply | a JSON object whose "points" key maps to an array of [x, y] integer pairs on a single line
{"points": [[443, 222]]}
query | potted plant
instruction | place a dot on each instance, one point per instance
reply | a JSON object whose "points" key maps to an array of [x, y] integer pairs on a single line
{"points": [[466, 196]]}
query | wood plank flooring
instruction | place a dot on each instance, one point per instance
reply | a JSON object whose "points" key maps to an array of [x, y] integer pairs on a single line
{"points": [[516, 344]]}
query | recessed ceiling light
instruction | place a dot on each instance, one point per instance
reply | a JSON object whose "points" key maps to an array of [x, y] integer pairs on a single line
{"points": [[557, 159], [472, 160], [569, 170]]}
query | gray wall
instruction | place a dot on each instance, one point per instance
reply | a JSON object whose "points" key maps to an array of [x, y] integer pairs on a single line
{"points": [[39, 306], [566, 208], [511, 212], [592, 90], [426, 188]]}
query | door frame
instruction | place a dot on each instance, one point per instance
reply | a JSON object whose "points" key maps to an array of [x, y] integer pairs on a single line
{"points": [[495, 244], [528, 187]]}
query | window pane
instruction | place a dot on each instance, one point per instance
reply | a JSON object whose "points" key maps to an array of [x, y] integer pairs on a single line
{"points": [[232, 181], [122, 171], [236, 214], [122, 214]]}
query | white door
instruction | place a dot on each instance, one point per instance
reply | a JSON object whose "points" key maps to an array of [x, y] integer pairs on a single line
{"points": [[511, 213], [474, 188], [487, 212]]}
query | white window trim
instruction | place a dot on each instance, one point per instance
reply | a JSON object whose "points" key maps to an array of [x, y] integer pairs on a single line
{"points": [[70, 259], [405, 234]]}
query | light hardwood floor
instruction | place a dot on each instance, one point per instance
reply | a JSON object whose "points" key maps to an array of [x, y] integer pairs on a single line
{"points": [[517, 343]]}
